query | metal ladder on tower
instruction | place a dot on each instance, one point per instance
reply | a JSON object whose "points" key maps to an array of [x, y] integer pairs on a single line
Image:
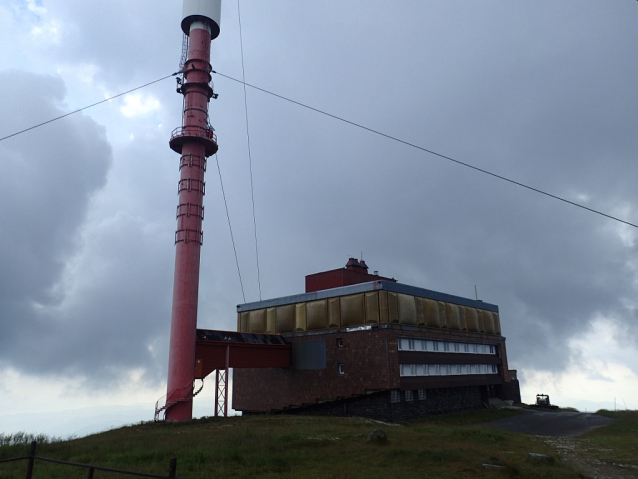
{"points": [[184, 56]]}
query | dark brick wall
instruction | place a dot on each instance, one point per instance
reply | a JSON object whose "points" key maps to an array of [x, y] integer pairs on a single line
{"points": [[379, 405], [511, 391], [367, 362], [371, 364]]}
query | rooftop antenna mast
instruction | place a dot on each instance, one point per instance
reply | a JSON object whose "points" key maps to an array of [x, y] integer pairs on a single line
{"points": [[195, 141]]}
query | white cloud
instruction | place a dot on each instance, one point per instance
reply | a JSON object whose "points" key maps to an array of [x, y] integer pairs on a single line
{"points": [[602, 371], [138, 104]]}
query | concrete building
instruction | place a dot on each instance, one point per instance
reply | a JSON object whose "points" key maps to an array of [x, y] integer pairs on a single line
{"points": [[366, 345]]}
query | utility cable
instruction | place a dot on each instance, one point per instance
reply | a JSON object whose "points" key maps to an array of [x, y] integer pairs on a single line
{"points": [[371, 130], [250, 157], [413, 145], [86, 107], [230, 227]]}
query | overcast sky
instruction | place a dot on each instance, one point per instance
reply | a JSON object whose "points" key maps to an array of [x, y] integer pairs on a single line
{"points": [[542, 92]]}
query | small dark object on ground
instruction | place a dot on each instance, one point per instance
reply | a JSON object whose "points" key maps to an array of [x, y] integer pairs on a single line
{"points": [[377, 436], [542, 402]]}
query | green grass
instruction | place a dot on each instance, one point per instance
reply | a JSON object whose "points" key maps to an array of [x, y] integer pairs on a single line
{"points": [[451, 446], [615, 443]]}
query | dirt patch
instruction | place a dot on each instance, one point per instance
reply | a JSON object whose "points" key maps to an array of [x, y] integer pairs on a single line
{"points": [[578, 453]]}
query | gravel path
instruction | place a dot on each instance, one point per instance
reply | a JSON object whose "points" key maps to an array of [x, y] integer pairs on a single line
{"points": [[547, 423], [559, 430]]}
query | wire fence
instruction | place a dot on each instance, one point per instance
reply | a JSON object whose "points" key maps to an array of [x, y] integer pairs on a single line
{"points": [[90, 468]]}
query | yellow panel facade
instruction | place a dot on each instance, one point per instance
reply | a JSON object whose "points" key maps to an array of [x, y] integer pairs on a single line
{"points": [[442, 315], [383, 306], [271, 320], [431, 313], [393, 308], [488, 322], [420, 319], [497, 323], [257, 321], [368, 308], [372, 307], [317, 314], [300, 317], [352, 310], [334, 314], [452, 315], [407, 309], [242, 319], [462, 319], [472, 320], [286, 318]]}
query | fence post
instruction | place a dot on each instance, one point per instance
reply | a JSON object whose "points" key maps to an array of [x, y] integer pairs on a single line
{"points": [[89, 474], [30, 461], [172, 468]]}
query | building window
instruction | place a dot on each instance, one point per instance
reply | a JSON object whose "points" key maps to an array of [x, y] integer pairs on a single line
{"points": [[340, 342], [409, 396], [410, 369], [395, 395], [421, 393], [410, 344], [420, 370], [341, 369]]}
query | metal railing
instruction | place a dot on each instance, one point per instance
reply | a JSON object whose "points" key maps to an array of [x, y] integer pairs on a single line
{"points": [[194, 130], [183, 394], [91, 468]]}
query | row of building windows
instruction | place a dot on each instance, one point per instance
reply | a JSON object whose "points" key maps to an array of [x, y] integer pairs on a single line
{"points": [[395, 395], [446, 369], [411, 344]]}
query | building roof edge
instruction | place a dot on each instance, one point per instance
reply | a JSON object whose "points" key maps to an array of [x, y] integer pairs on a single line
{"points": [[365, 288]]}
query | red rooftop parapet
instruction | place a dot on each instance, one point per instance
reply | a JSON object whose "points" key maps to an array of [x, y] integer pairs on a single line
{"points": [[355, 272]]}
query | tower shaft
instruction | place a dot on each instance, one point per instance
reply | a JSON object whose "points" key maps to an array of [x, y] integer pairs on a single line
{"points": [[195, 141]]}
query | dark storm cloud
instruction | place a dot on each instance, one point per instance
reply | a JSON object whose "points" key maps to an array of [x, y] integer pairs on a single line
{"points": [[48, 178], [81, 297], [540, 93]]}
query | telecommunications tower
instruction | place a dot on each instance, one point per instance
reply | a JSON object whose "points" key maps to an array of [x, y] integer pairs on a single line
{"points": [[195, 140]]}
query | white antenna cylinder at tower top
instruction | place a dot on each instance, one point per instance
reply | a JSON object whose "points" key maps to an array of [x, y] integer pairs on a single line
{"points": [[208, 11]]}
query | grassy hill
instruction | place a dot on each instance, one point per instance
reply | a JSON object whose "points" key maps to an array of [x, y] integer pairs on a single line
{"points": [[452, 446]]}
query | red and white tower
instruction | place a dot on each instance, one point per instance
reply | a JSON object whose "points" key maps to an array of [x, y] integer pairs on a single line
{"points": [[194, 141]]}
